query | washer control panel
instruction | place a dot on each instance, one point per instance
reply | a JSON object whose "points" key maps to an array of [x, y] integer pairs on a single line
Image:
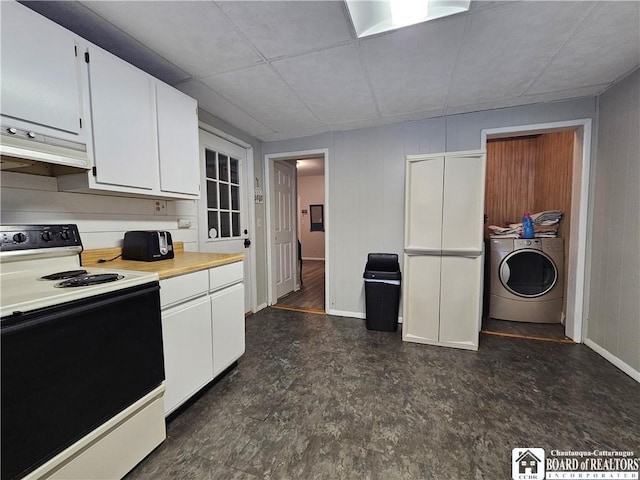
{"points": [[529, 243]]}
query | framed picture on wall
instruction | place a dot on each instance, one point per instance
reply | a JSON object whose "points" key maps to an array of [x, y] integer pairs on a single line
{"points": [[317, 218]]}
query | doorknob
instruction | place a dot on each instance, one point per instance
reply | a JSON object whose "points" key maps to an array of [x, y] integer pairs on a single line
{"points": [[247, 243]]}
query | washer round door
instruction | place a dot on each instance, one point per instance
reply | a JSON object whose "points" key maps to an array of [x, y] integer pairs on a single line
{"points": [[528, 273]]}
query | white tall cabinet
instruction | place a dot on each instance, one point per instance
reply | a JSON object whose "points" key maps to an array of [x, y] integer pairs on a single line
{"points": [[443, 254]]}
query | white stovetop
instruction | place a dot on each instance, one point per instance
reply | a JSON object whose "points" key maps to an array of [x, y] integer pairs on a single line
{"points": [[21, 288]]}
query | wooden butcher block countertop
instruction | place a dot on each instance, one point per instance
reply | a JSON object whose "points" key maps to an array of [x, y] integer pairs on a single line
{"points": [[183, 262]]}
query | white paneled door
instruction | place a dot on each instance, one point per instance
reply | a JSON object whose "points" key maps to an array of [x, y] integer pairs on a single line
{"points": [[223, 225], [284, 228]]}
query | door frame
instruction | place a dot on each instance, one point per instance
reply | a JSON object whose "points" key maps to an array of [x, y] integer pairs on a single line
{"points": [[251, 208], [577, 260], [269, 160]]}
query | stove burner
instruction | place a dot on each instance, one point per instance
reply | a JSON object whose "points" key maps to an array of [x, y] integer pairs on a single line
{"points": [[63, 275], [86, 280]]}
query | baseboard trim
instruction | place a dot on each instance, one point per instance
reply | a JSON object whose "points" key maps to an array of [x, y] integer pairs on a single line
{"points": [[312, 258], [344, 313], [262, 306], [606, 354]]}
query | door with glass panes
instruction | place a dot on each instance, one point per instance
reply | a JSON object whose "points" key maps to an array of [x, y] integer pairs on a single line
{"points": [[223, 214]]}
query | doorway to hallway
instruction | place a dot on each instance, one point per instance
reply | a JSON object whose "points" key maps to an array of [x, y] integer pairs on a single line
{"points": [[309, 208]]}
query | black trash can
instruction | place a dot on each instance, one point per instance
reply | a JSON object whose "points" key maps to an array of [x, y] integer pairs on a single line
{"points": [[382, 280]]}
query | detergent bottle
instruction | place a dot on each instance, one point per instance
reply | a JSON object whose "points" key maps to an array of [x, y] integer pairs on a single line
{"points": [[527, 226]]}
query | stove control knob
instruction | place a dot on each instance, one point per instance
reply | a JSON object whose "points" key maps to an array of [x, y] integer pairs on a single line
{"points": [[31, 135], [19, 238], [64, 235], [12, 130], [46, 236]]}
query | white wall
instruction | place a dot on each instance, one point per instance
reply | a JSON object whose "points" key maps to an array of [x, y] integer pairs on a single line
{"points": [[310, 192], [101, 219], [613, 326], [366, 182]]}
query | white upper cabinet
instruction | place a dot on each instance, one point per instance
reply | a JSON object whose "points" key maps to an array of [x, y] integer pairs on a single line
{"points": [[124, 122], [40, 72], [145, 134], [177, 141]]}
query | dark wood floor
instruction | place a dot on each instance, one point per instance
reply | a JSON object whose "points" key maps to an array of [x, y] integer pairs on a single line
{"points": [[311, 295]]}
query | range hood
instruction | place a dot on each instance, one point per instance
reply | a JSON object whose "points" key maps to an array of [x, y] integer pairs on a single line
{"points": [[31, 145]]}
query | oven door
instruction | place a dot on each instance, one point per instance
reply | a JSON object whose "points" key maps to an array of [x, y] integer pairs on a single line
{"points": [[67, 369]]}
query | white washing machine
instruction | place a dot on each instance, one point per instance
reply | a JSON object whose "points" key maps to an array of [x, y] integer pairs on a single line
{"points": [[527, 279]]}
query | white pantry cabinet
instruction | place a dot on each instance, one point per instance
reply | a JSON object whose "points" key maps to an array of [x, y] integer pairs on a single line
{"points": [[43, 83], [202, 327], [443, 254]]}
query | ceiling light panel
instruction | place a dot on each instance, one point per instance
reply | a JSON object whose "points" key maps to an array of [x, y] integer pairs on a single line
{"points": [[377, 16]]}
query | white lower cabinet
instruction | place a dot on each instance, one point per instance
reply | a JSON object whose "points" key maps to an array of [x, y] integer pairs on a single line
{"points": [[188, 351], [202, 328]]}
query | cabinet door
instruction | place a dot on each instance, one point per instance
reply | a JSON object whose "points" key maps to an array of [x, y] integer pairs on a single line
{"points": [[178, 141], [40, 71], [186, 333], [463, 202], [421, 298], [124, 122], [227, 308], [461, 301], [423, 203]]}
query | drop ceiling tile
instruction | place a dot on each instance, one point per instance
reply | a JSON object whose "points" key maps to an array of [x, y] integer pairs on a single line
{"points": [[283, 28], [263, 93], [84, 22], [410, 69], [506, 48], [528, 99], [216, 105], [605, 47], [193, 35], [332, 83]]}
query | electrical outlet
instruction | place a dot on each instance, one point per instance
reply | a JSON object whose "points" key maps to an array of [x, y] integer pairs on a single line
{"points": [[160, 207], [184, 223]]}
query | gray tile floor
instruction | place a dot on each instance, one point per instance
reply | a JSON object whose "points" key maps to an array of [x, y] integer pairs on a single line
{"points": [[318, 397]]}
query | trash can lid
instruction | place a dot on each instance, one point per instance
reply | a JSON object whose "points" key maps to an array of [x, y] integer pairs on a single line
{"points": [[372, 275], [383, 262]]}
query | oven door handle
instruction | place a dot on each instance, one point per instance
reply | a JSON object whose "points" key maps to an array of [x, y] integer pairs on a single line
{"points": [[20, 322]]}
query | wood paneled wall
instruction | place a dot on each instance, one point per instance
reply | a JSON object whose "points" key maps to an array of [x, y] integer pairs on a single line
{"points": [[529, 174], [553, 176]]}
